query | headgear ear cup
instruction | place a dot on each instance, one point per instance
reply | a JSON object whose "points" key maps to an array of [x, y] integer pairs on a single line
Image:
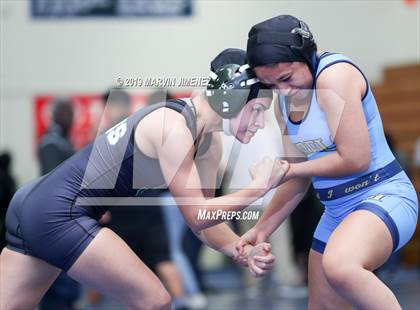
{"points": [[305, 34], [231, 85], [228, 92]]}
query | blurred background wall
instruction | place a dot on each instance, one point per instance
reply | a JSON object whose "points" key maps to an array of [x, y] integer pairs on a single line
{"points": [[87, 55]]}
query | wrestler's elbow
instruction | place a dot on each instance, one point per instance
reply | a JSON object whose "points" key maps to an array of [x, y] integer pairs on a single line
{"points": [[196, 216], [198, 225], [359, 162], [193, 221], [195, 226]]}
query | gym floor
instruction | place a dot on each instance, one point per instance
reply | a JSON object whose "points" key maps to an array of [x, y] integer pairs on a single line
{"points": [[404, 281]]}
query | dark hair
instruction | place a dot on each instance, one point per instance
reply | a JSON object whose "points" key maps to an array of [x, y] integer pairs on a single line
{"points": [[5, 160], [116, 96], [159, 95], [62, 113]]}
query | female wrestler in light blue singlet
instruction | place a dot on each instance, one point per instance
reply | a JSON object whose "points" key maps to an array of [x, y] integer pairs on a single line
{"points": [[331, 124]]}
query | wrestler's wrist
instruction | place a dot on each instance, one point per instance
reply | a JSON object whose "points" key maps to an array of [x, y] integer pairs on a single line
{"points": [[260, 187], [293, 172], [242, 259], [257, 188], [261, 233]]}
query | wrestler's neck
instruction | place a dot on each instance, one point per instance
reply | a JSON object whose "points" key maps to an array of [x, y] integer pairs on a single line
{"points": [[207, 119]]}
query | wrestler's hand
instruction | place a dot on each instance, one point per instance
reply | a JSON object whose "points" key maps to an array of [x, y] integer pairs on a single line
{"points": [[249, 238], [242, 258], [260, 260], [257, 258], [268, 173]]}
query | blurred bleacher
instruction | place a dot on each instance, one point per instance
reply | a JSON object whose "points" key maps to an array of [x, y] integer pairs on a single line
{"points": [[398, 99]]}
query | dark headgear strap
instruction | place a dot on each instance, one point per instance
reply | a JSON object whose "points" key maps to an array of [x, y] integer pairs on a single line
{"points": [[265, 54], [274, 37]]}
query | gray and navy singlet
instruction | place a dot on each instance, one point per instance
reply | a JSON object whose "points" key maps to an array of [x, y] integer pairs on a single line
{"points": [[43, 219]]}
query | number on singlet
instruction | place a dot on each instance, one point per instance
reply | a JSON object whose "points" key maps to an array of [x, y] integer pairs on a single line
{"points": [[116, 132]]}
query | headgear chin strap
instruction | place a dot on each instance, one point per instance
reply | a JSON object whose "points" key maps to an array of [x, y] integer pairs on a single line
{"points": [[227, 130]]}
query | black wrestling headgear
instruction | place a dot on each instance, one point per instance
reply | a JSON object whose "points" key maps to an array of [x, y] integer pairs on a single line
{"points": [[279, 39], [232, 83]]}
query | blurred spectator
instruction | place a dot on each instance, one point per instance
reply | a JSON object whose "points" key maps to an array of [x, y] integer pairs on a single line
{"points": [[54, 148], [7, 189], [192, 246], [304, 220], [117, 105], [399, 154]]}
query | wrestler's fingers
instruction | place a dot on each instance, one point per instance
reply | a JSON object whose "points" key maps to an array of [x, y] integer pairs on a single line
{"points": [[240, 246], [268, 259], [267, 247], [257, 272], [264, 266]]}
